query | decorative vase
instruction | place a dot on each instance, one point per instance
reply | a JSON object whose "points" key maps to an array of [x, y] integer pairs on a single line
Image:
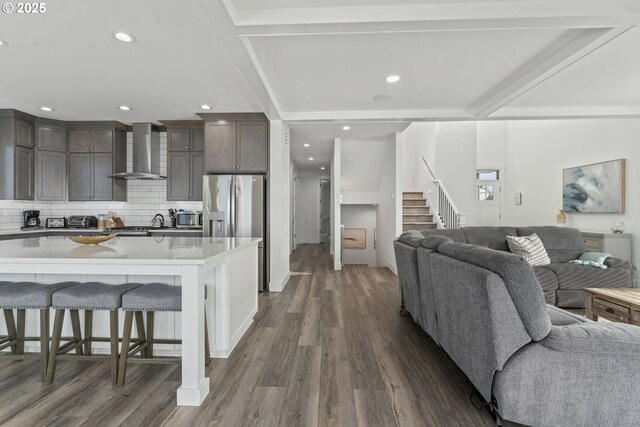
{"points": [[617, 226], [561, 217]]}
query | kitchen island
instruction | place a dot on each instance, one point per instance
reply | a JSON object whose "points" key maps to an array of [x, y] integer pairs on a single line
{"points": [[227, 267]]}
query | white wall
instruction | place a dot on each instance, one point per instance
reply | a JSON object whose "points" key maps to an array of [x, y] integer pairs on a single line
{"points": [[336, 238], [455, 164], [360, 216], [390, 207], [279, 205], [145, 199], [308, 206], [492, 144], [539, 150], [419, 140]]}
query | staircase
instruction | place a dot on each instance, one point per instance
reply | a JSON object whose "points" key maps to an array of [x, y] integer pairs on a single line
{"points": [[415, 212]]}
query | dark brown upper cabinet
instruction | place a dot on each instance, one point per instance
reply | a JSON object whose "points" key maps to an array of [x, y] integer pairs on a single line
{"points": [[18, 156], [185, 160], [97, 150], [51, 160], [237, 143]]}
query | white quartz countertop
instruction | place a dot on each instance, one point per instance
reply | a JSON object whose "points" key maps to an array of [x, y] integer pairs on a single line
{"points": [[122, 250]]}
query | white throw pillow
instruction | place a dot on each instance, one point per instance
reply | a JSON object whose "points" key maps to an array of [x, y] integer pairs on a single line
{"points": [[530, 248]]}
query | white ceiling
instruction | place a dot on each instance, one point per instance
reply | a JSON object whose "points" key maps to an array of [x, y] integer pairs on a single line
{"points": [[317, 64], [320, 137], [67, 58]]}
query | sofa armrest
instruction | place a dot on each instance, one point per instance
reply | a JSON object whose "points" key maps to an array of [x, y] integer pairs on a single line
{"points": [[582, 374], [613, 262], [594, 338]]}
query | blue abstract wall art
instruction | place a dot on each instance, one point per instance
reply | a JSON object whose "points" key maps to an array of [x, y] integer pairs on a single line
{"points": [[595, 188]]}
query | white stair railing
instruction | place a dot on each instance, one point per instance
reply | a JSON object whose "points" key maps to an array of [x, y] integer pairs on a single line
{"points": [[445, 211]]}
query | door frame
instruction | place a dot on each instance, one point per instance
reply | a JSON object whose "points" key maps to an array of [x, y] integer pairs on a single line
{"points": [[320, 181]]}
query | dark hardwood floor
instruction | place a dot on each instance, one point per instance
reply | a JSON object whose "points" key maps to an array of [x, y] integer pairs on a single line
{"points": [[331, 350]]}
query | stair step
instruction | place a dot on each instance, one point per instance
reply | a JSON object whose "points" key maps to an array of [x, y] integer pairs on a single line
{"points": [[412, 195], [416, 218], [414, 202], [419, 226], [416, 210]]}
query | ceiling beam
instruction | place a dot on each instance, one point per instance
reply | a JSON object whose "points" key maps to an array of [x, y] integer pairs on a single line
{"points": [[375, 116], [570, 49], [222, 26]]}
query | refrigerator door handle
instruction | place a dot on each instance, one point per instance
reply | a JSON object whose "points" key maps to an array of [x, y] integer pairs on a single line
{"points": [[232, 213]]}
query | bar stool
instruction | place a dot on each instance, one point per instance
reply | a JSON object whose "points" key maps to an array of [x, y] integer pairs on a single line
{"points": [[88, 297], [23, 296], [150, 298]]}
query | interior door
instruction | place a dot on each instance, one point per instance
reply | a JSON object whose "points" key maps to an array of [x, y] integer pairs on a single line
{"points": [[325, 211], [489, 202]]}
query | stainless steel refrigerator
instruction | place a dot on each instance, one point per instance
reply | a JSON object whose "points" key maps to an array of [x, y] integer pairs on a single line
{"points": [[235, 206]]}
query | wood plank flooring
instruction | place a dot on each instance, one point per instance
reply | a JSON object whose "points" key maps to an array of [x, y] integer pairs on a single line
{"points": [[331, 350]]}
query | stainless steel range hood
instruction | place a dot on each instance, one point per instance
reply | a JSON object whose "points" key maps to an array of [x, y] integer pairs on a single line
{"points": [[146, 153]]}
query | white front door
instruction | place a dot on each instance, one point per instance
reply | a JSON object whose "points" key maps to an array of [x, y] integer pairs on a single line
{"points": [[489, 206]]}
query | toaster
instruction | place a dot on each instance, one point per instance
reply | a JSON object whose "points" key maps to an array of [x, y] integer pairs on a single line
{"points": [[82, 221], [56, 222]]}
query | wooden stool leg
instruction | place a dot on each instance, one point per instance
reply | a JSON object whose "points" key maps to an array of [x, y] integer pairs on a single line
{"points": [[77, 333], [11, 328], [55, 345], [124, 352], [20, 331], [114, 333], [44, 342], [150, 334], [141, 333], [207, 351], [88, 331]]}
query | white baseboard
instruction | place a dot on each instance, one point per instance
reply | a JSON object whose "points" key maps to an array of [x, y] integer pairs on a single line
{"points": [[391, 266], [278, 286]]}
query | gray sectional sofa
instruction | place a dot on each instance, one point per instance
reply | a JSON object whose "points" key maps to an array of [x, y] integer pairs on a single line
{"points": [[536, 364]]}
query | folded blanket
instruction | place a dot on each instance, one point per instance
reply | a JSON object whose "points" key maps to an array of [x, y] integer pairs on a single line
{"points": [[597, 257], [588, 263]]}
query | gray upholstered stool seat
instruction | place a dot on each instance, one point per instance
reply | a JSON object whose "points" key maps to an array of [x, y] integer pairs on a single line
{"points": [[150, 298], [153, 297], [92, 296], [88, 297], [22, 296]]}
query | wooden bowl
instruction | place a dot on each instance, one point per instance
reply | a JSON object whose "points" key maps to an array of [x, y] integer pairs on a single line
{"points": [[93, 240]]}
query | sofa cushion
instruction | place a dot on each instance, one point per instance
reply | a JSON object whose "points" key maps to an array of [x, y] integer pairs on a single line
{"points": [[454, 234], [412, 238], [489, 237], [434, 240], [595, 338], [561, 243], [560, 317], [530, 248], [571, 276], [548, 282], [519, 280]]}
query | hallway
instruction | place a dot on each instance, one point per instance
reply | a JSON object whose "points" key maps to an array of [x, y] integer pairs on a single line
{"points": [[329, 350]]}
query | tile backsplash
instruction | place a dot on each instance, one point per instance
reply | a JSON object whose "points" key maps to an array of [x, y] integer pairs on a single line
{"points": [[145, 199]]}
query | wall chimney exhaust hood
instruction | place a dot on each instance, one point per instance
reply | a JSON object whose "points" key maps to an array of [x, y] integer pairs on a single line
{"points": [[146, 153]]}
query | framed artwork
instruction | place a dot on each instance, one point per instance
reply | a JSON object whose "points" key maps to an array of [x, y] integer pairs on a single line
{"points": [[594, 188], [354, 238]]}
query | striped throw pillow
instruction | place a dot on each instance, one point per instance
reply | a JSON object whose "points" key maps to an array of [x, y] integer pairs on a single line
{"points": [[530, 248]]}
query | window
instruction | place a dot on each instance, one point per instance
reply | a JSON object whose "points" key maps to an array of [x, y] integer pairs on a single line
{"points": [[488, 175], [485, 192]]}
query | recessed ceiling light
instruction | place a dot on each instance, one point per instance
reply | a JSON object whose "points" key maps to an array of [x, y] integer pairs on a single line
{"points": [[310, 158], [306, 145], [44, 108], [382, 98], [124, 108], [322, 168], [345, 128], [124, 37], [3, 43], [205, 107], [393, 78]]}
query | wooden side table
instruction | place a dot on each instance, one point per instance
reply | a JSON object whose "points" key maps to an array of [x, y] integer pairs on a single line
{"points": [[618, 305]]}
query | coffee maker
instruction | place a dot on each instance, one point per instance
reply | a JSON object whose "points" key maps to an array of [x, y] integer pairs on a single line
{"points": [[31, 219]]}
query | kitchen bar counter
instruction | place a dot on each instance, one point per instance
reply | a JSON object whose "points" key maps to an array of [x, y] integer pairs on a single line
{"points": [[228, 267], [47, 232]]}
